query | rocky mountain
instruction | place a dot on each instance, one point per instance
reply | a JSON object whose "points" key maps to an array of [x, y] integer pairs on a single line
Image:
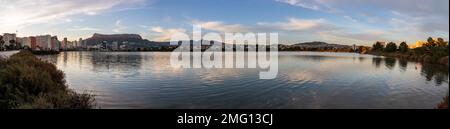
{"points": [[134, 39], [320, 45]]}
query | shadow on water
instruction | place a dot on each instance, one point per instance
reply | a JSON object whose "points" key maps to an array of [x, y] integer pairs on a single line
{"points": [[432, 72], [390, 63], [435, 72], [403, 65], [376, 61], [108, 60]]}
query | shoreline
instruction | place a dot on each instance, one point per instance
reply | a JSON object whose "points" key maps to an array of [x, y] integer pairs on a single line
{"points": [[411, 57], [6, 54]]}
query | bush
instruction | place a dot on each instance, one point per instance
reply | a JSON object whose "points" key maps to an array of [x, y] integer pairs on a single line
{"points": [[403, 47], [28, 82], [391, 47], [378, 46]]}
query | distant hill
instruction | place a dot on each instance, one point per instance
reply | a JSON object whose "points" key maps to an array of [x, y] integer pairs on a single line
{"points": [[317, 44], [136, 39]]}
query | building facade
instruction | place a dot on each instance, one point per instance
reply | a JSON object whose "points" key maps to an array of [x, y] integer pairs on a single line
{"points": [[7, 37], [43, 42]]}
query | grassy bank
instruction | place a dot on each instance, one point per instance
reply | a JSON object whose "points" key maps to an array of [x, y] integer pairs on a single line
{"points": [[28, 82]]}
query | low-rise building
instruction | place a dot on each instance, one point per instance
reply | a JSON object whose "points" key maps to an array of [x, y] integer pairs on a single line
{"points": [[7, 37]]}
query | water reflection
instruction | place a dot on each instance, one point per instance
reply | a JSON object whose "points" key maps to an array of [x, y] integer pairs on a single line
{"points": [[305, 80], [431, 72], [390, 63], [116, 61], [377, 61], [403, 65], [435, 72]]}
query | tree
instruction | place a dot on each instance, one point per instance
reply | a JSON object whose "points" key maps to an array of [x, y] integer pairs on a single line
{"points": [[391, 47], [403, 47], [430, 42], [1, 42], [363, 49], [378, 46], [441, 42]]}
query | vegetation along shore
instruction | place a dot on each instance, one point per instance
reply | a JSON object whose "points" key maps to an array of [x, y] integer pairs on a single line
{"points": [[27, 82], [432, 51]]}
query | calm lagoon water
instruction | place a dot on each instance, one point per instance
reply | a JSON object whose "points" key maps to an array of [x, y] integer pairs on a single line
{"points": [[306, 80]]}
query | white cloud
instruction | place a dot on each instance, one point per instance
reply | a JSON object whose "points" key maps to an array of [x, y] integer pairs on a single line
{"points": [[400, 19], [162, 34], [411, 7], [309, 4], [350, 18], [295, 24], [82, 28], [220, 26], [16, 14], [365, 37], [119, 27], [434, 14]]}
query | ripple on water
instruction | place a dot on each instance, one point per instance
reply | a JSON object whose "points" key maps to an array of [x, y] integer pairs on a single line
{"points": [[305, 80]]}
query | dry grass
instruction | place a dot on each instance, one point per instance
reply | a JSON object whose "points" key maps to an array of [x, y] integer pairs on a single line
{"points": [[28, 82], [444, 103]]}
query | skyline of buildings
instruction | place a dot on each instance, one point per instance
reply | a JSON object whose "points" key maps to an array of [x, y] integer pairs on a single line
{"points": [[40, 42], [343, 22]]}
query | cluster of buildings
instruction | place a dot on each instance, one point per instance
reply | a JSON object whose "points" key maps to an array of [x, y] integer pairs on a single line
{"points": [[39, 43], [72, 45]]}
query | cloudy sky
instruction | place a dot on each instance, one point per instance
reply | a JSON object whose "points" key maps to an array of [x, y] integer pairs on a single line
{"points": [[336, 21]]}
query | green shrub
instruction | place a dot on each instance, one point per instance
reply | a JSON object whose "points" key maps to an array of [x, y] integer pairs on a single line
{"points": [[28, 82], [403, 47], [378, 46], [391, 47]]}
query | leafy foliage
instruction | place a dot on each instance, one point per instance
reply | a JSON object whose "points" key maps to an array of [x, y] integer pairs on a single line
{"points": [[378, 46], [28, 82], [391, 47], [403, 47]]}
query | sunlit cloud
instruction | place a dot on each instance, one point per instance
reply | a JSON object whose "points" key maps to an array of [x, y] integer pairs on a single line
{"points": [[295, 24], [83, 28], [17, 14], [162, 34], [119, 27], [427, 15], [220, 26]]}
